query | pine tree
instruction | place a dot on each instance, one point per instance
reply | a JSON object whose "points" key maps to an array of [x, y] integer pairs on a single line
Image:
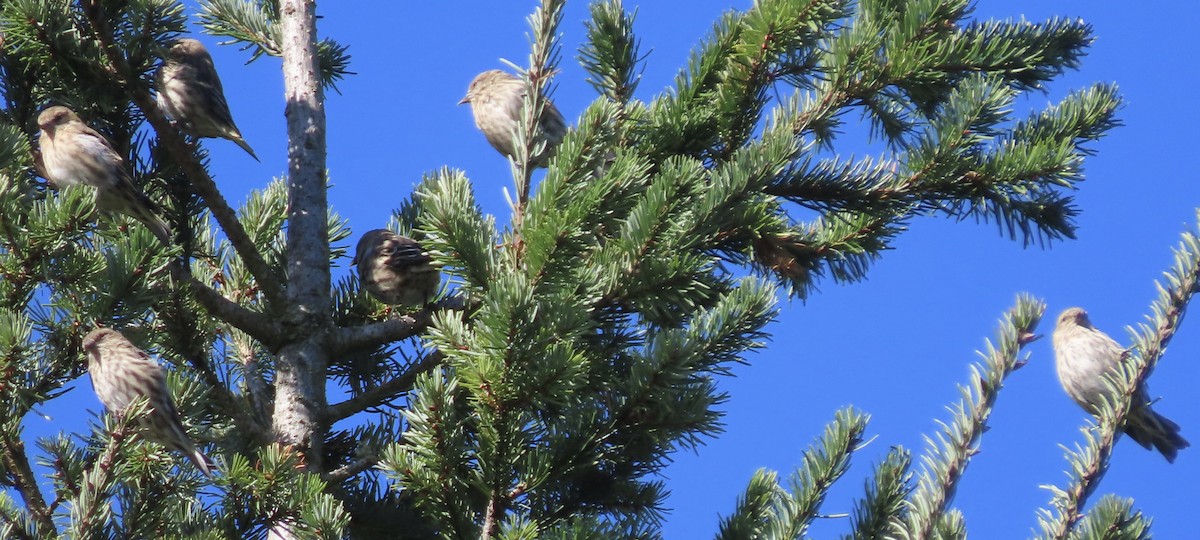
{"points": [[578, 344]]}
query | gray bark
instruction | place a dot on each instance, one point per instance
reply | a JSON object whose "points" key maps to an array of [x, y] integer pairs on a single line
{"points": [[300, 381]]}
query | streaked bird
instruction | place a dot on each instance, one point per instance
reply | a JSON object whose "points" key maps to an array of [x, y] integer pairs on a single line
{"points": [[121, 372], [394, 269], [75, 154], [1083, 356], [190, 92], [496, 99]]}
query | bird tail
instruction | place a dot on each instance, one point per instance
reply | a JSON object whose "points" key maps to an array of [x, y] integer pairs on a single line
{"points": [[1153, 430], [177, 439], [156, 226], [237, 139], [131, 201], [202, 462]]}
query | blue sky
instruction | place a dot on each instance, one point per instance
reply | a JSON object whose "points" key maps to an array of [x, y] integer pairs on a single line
{"points": [[895, 345]]}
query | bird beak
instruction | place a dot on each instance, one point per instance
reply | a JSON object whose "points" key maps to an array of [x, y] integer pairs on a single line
{"points": [[465, 99]]}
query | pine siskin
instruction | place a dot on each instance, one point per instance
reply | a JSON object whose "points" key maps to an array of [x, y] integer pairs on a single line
{"points": [[190, 92], [394, 269], [496, 99], [74, 153], [122, 372], [1083, 355]]}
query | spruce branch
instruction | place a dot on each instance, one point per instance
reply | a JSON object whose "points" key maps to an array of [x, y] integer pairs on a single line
{"points": [[949, 453], [170, 138], [766, 510], [22, 478], [89, 505], [610, 55], [435, 461], [256, 25], [1113, 518], [543, 62], [342, 473], [1089, 463], [754, 508], [879, 514], [232, 313], [251, 322]]}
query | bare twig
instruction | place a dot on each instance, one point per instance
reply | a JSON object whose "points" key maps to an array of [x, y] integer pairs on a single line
{"points": [[341, 473], [377, 395]]}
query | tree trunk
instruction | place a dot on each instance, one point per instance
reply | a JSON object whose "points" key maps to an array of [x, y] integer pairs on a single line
{"points": [[300, 381]]}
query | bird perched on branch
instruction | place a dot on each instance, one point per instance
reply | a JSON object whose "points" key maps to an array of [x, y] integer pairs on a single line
{"points": [[190, 92], [497, 99], [1084, 356], [394, 269], [121, 373], [75, 154]]}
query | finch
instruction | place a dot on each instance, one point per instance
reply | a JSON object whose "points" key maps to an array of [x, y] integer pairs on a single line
{"points": [[394, 269], [1083, 355], [496, 99], [122, 372], [190, 92], [74, 153]]}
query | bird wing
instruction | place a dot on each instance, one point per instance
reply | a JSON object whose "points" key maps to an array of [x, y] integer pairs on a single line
{"points": [[97, 149], [405, 253]]}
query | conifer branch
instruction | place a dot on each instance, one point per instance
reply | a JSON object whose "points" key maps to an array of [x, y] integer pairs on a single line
{"points": [[98, 478], [21, 473], [542, 65], [778, 514], [258, 26], [879, 513], [949, 453], [1113, 518]]}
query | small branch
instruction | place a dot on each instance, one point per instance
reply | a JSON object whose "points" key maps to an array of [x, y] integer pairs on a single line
{"points": [[346, 339], [253, 323], [378, 333], [25, 482], [336, 476], [96, 479], [489, 520], [202, 183], [379, 394], [256, 386], [542, 65]]}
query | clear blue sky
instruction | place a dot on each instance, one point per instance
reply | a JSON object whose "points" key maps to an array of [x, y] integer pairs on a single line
{"points": [[896, 345]]}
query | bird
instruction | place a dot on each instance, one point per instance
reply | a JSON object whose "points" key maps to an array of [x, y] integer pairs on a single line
{"points": [[394, 269], [120, 373], [497, 98], [1083, 356], [75, 154], [190, 92]]}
